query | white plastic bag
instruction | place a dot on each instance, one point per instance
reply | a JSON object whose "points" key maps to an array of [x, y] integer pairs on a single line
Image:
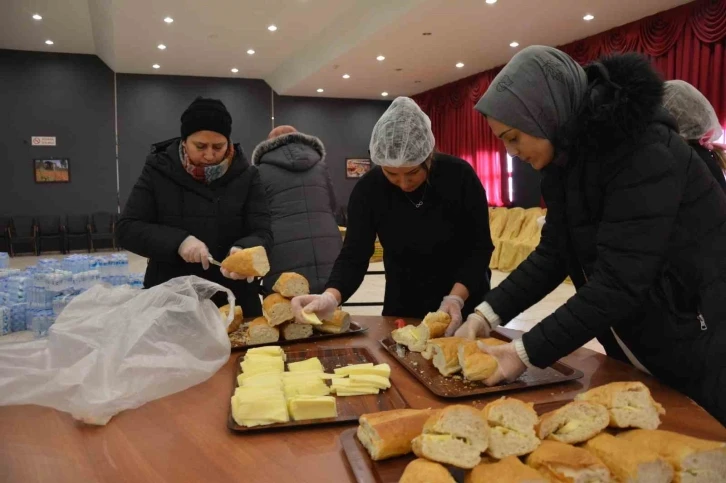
{"points": [[113, 349]]}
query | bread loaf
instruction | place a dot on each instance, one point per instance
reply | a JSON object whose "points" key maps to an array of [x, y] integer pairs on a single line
{"points": [[628, 461], [573, 423], [260, 332], [629, 403], [236, 322], [291, 284], [250, 262], [293, 331], [511, 427], [389, 433], [561, 462], [277, 309]]}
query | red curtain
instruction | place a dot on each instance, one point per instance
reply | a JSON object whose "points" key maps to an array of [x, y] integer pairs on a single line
{"points": [[687, 42]]}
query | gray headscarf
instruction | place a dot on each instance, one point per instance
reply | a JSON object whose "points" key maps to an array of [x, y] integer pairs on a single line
{"points": [[537, 92]]}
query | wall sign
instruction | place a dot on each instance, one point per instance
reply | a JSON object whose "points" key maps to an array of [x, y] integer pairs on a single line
{"points": [[42, 140]]}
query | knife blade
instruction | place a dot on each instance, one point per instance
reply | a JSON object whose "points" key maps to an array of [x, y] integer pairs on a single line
{"points": [[213, 261]]}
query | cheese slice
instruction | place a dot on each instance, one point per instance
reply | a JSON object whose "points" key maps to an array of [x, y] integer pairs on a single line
{"points": [[343, 371], [356, 392], [378, 370], [272, 350], [569, 427], [259, 411], [312, 407], [308, 365], [244, 377], [311, 318], [254, 366], [370, 379], [306, 390]]}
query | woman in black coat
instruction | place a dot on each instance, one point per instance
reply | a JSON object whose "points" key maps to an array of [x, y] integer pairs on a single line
{"points": [[698, 124], [197, 196], [634, 218]]}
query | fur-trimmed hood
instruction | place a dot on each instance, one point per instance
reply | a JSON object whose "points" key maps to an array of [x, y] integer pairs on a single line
{"points": [[624, 96], [294, 152]]}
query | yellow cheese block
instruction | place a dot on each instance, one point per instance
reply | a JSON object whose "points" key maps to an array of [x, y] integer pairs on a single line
{"points": [[312, 364], [306, 390], [375, 381], [306, 376], [256, 366], [311, 318], [383, 370], [248, 393], [270, 350], [312, 407], [243, 377], [259, 411]]}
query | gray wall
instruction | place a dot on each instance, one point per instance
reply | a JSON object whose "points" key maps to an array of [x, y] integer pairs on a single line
{"points": [[343, 125], [67, 96], [150, 106]]}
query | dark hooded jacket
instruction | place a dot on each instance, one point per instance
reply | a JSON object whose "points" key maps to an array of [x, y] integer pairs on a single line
{"points": [[638, 222], [166, 205], [302, 205]]}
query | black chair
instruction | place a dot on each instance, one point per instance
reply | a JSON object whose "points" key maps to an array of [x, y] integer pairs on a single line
{"points": [[103, 229], [50, 230], [77, 228], [23, 231], [4, 233]]}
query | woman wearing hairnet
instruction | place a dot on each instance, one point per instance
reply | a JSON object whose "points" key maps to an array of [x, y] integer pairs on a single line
{"points": [[634, 218], [697, 124], [430, 213]]}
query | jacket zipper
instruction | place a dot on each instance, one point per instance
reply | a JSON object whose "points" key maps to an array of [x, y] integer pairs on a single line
{"points": [[703, 322]]}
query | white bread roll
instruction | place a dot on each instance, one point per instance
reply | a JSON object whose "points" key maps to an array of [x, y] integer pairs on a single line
{"points": [[238, 316], [444, 354], [259, 332], [389, 433], [421, 470], [573, 423], [291, 284], [562, 462], [338, 323], [628, 461], [293, 331], [629, 403], [277, 309], [511, 427], [508, 470], [457, 435], [475, 364], [250, 262]]}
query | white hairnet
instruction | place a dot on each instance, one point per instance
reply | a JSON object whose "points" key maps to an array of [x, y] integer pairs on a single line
{"points": [[695, 115], [402, 136]]}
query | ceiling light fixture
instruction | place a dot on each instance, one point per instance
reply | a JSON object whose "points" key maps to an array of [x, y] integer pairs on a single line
{"points": [[168, 20], [384, 94], [459, 65], [37, 17], [272, 28], [251, 52], [156, 66], [417, 82], [380, 58], [235, 70], [161, 47], [49, 42], [588, 17], [491, 2], [321, 90], [346, 76], [426, 34], [514, 44]]}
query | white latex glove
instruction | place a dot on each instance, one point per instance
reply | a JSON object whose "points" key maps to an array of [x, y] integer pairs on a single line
{"points": [[233, 275], [323, 306], [509, 367], [452, 305], [193, 250], [475, 327]]}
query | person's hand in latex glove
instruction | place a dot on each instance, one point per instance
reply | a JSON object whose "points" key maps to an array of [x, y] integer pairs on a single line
{"points": [[475, 327], [232, 275], [323, 306], [193, 250], [452, 305], [509, 365]]}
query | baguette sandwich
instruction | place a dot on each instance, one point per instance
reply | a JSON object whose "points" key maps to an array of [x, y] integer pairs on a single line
{"points": [[277, 309], [415, 337], [421, 470], [630, 462], [260, 332], [389, 433], [560, 462], [236, 322], [573, 423], [511, 427], [338, 323], [293, 331], [629, 403], [508, 470], [250, 262]]}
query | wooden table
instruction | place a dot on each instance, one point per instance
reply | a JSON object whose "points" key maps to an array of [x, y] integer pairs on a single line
{"points": [[184, 437]]}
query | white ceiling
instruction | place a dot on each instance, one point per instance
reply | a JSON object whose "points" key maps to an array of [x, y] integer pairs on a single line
{"points": [[317, 41]]}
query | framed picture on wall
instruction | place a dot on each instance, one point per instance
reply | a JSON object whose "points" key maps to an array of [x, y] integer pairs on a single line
{"points": [[52, 170], [356, 167]]}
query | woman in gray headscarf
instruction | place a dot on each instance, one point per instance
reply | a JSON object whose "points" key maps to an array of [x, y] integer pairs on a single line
{"points": [[638, 226]]}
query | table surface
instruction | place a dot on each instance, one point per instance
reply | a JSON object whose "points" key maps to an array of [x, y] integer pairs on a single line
{"points": [[184, 437]]}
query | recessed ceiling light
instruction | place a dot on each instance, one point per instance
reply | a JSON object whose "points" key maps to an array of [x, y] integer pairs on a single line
{"points": [[399, 69], [161, 47], [251, 52], [37, 17], [588, 17], [491, 2], [272, 28], [426, 34], [417, 82], [514, 44], [346, 76], [384, 94], [168, 20], [321, 90], [235, 70], [380, 58], [49, 42], [156, 66], [459, 65]]}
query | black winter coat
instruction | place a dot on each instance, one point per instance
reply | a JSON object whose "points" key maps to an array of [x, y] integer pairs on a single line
{"points": [[302, 206], [638, 222], [709, 157], [166, 205]]}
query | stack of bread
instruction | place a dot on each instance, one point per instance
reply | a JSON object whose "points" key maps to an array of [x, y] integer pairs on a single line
{"points": [[267, 394], [278, 321], [565, 445]]}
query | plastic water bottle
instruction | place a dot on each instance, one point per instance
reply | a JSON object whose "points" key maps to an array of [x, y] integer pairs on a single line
{"points": [[5, 325]]}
